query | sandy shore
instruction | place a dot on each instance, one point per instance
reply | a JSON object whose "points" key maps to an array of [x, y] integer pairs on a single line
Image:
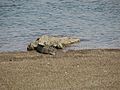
{"points": [[73, 70]]}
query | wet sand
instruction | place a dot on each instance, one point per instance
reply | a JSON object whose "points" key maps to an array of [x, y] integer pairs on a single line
{"points": [[97, 69]]}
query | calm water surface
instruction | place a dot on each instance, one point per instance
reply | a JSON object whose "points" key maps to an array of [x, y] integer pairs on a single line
{"points": [[95, 22]]}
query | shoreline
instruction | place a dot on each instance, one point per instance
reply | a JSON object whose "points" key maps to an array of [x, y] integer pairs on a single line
{"points": [[66, 50], [89, 69]]}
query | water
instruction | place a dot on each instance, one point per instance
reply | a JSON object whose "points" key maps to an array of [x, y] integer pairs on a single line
{"points": [[95, 22]]}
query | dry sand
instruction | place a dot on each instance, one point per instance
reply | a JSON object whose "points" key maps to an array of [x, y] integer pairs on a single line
{"points": [[73, 70]]}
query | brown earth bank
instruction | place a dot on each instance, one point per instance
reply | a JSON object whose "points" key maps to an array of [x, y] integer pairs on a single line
{"points": [[95, 69]]}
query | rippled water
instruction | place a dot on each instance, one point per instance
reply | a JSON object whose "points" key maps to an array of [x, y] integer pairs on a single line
{"points": [[95, 22]]}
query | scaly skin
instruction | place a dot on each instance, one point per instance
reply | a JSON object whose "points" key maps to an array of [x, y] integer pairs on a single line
{"points": [[46, 49]]}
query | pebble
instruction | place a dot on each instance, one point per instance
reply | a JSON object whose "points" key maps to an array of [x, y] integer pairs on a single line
{"points": [[78, 66]]}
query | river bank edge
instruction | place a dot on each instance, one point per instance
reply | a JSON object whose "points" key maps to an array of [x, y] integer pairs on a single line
{"points": [[89, 69]]}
